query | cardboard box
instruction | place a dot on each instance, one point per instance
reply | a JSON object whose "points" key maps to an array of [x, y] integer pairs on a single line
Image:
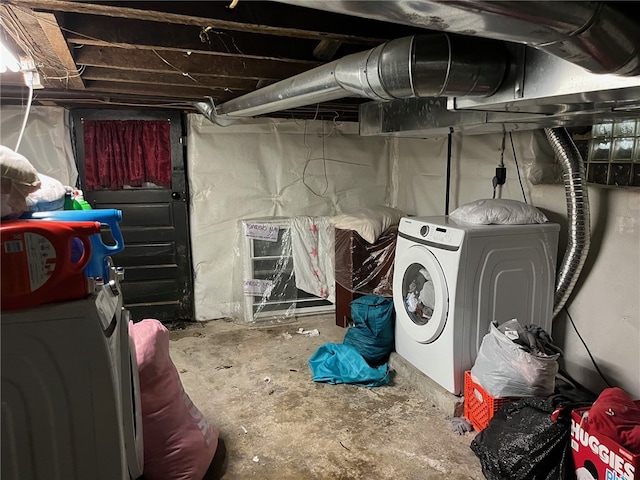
{"points": [[608, 460]]}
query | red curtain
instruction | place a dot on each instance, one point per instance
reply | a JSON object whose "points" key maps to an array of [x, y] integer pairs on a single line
{"points": [[126, 152]]}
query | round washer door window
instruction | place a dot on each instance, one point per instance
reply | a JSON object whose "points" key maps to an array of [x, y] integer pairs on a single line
{"points": [[420, 294]]}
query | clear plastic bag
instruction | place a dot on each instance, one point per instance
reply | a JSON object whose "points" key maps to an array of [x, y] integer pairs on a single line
{"points": [[504, 369]]}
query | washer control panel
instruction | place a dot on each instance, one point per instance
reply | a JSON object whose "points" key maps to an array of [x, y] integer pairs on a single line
{"points": [[436, 233]]}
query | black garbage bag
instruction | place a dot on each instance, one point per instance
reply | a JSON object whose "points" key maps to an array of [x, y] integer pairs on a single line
{"points": [[526, 440]]}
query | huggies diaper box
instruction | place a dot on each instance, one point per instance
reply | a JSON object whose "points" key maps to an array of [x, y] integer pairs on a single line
{"points": [[596, 456]]}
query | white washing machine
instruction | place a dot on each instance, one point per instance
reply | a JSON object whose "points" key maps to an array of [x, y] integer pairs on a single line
{"points": [[70, 392], [451, 280]]}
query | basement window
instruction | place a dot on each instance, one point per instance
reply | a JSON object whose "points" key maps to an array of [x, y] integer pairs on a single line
{"points": [[612, 153]]}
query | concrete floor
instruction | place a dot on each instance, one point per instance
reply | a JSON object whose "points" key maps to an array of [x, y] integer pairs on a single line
{"points": [[254, 384]]}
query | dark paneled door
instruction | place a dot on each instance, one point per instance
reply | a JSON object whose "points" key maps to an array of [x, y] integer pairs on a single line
{"points": [[155, 226]]}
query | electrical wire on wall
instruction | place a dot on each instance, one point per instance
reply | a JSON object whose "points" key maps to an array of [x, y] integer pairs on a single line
{"points": [[448, 180], [334, 128], [309, 159], [587, 349], [515, 160]]}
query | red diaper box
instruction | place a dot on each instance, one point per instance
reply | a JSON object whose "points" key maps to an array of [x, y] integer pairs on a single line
{"points": [[596, 456]]}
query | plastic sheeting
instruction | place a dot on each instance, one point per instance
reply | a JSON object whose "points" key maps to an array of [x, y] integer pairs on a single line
{"points": [[336, 363], [261, 168], [270, 168], [277, 281], [524, 441], [505, 369], [421, 164], [46, 142], [362, 267]]}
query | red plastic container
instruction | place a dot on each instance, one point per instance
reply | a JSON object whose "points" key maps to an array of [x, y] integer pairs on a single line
{"points": [[37, 265], [479, 405]]}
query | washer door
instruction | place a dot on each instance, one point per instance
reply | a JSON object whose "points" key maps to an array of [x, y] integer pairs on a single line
{"points": [[420, 294]]}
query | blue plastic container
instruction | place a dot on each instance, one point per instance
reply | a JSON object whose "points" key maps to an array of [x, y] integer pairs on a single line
{"points": [[97, 266]]}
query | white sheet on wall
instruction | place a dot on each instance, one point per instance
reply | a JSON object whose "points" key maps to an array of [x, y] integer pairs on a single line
{"points": [[313, 248], [421, 168], [269, 167], [46, 142]]}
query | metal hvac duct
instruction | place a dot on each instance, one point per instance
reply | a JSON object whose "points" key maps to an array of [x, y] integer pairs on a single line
{"points": [[410, 67], [577, 213], [599, 36]]}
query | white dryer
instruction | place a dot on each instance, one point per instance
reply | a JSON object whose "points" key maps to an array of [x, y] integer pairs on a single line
{"points": [[70, 392], [451, 280]]}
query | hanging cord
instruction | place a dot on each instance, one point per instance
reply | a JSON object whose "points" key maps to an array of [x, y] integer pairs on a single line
{"points": [[501, 172], [448, 186], [504, 136], [28, 76], [515, 160], [587, 348]]}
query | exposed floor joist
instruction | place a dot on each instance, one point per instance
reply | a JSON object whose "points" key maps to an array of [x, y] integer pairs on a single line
{"points": [[154, 16], [173, 53], [51, 29], [40, 38]]}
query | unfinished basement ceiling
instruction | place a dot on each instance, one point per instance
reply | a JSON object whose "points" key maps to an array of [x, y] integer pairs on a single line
{"points": [[568, 63], [171, 54]]}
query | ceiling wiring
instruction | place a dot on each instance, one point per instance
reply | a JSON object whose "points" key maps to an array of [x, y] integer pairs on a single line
{"points": [[11, 26], [186, 74], [71, 73], [204, 38]]}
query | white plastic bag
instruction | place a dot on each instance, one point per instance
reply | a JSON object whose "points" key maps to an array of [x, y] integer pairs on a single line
{"points": [[504, 369], [49, 197]]}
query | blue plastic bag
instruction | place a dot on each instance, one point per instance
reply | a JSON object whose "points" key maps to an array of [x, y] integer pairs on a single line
{"points": [[338, 363], [372, 330]]}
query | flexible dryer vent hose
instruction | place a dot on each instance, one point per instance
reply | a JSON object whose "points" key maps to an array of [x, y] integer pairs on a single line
{"points": [[577, 213]]}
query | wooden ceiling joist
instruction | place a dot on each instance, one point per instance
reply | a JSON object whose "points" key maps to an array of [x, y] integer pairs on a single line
{"points": [[196, 63], [93, 30], [41, 35], [326, 50], [167, 17], [51, 29], [195, 93], [169, 54], [175, 79]]}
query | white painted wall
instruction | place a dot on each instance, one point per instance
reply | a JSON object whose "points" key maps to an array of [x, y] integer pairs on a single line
{"points": [[605, 304]]}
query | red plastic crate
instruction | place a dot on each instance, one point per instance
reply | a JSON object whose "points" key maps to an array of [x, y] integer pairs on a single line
{"points": [[479, 406]]}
